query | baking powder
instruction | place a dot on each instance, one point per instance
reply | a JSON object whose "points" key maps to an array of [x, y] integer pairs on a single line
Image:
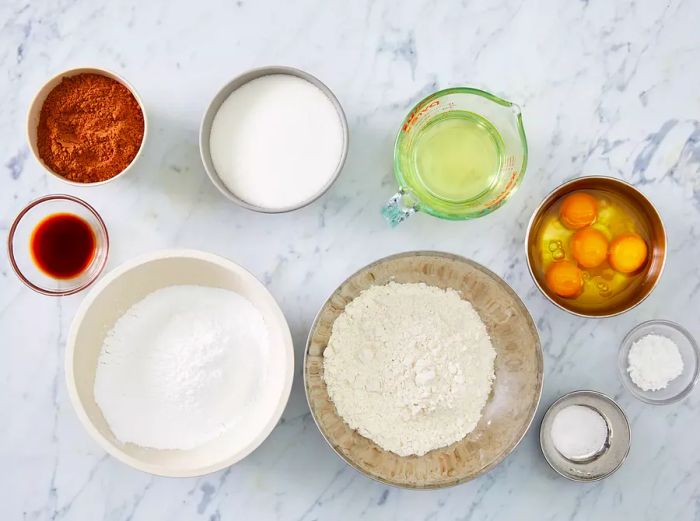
{"points": [[654, 361]]}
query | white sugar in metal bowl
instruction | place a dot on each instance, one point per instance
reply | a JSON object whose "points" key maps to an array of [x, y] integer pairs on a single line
{"points": [[274, 139], [130, 283]]}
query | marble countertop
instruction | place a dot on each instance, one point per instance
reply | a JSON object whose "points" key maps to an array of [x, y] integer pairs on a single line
{"points": [[606, 88]]}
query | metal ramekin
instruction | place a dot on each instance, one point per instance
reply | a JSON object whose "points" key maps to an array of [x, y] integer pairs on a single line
{"points": [[617, 446]]}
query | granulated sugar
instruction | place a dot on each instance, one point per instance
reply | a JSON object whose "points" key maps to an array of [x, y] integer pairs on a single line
{"points": [[276, 141]]}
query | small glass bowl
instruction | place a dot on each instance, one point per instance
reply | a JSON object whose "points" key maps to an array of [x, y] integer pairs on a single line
{"points": [[19, 247], [677, 388]]}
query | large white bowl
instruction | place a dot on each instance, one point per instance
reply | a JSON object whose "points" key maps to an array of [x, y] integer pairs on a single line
{"points": [[126, 285]]}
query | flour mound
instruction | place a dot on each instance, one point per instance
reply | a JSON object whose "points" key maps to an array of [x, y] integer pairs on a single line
{"points": [[409, 366]]}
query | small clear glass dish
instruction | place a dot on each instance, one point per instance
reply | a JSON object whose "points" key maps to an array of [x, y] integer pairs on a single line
{"points": [[20, 252], [678, 388]]}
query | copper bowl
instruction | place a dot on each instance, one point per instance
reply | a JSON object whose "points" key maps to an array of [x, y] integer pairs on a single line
{"points": [[652, 272]]}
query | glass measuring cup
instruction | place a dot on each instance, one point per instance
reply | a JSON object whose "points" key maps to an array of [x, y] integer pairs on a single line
{"points": [[460, 154]]}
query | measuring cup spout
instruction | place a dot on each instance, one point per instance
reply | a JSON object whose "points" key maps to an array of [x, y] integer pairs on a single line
{"points": [[399, 208], [517, 113]]}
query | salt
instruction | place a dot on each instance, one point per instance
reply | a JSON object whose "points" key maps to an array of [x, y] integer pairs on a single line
{"points": [[276, 141], [579, 432]]}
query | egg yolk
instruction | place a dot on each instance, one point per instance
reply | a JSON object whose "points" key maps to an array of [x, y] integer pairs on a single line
{"points": [[564, 278], [589, 247], [627, 253], [578, 210]]}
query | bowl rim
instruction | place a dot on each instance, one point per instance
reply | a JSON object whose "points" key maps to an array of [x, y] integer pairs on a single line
{"points": [[539, 354], [11, 248], [115, 451], [626, 343], [39, 98], [547, 199], [226, 90]]}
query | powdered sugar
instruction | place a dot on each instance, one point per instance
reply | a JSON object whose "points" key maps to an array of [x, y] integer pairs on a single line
{"points": [[181, 367], [654, 361], [409, 366]]}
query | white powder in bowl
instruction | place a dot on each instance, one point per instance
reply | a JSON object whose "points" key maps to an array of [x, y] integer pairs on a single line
{"points": [[181, 367], [654, 361], [409, 366], [276, 141], [579, 432]]}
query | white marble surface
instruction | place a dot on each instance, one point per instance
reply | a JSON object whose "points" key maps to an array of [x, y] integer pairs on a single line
{"points": [[607, 87]]}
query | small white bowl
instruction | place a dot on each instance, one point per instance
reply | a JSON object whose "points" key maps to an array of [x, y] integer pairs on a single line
{"points": [[679, 387], [225, 92], [131, 282], [38, 103]]}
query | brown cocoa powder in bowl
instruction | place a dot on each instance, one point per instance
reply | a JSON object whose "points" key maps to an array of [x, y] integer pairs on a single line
{"points": [[90, 128]]}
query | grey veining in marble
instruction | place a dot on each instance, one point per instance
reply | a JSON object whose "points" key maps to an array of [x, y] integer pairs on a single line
{"points": [[606, 87]]}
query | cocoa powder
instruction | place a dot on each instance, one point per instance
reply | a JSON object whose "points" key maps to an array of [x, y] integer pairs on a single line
{"points": [[90, 128]]}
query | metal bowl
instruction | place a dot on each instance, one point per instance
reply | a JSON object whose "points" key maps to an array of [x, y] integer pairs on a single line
{"points": [[224, 93], [514, 397], [617, 446], [653, 270]]}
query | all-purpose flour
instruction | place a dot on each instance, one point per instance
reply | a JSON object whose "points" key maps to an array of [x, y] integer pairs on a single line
{"points": [[181, 367], [409, 366]]}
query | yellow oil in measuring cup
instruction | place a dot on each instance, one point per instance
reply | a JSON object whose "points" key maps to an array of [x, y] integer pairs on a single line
{"points": [[460, 154], [457, 157]]}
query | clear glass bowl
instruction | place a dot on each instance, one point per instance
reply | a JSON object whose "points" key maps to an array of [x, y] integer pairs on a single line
{"points": [[678, 388], [19, 247]]}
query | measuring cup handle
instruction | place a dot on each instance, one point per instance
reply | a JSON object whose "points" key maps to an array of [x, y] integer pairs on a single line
{"points": [[399, 208]]}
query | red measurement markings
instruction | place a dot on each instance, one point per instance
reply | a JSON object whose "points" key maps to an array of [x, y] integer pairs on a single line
{"points": [[417, 113], [506, 191]]}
